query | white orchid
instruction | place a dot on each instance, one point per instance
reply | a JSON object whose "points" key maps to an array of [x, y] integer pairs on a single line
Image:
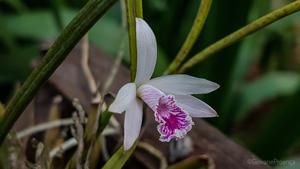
{"points": [[170, 97]]}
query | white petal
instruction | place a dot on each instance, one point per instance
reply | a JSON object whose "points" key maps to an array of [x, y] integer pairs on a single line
{"points": [[132, 123], [125, 95], [194, 106], [183, 84], [150, 95], [146, 51]]}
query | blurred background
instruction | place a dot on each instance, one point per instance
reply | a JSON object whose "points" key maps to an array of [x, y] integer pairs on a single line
{"points": [[259, 99]]}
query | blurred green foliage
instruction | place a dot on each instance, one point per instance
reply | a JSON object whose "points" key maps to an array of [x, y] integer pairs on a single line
{"points": [[263, 68], [252, 95]]}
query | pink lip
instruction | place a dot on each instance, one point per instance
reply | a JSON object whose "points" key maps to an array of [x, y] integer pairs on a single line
{"points": [[173, 121]]}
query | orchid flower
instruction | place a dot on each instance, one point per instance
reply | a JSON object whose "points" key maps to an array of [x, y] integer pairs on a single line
{"points": [[169, 97]]}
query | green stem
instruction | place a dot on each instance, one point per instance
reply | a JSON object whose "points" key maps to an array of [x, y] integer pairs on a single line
{"points": [[130, 10], [241, 33], [77, 28], [139, 8], [134, 8], [198, 24]]}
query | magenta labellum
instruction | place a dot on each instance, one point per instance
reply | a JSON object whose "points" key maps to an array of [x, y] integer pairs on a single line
{"points": [[173, 121]]}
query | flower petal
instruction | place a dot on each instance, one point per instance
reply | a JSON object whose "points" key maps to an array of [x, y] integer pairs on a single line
{"points": [[183, 84], [173, 121], [125, 95], [146, 51], [132, 123], [150, 95], [194, 106]]}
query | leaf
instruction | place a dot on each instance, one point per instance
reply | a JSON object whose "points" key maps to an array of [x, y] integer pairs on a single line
{"points": [[118, 160], [36, 24], [267, 87], [103, 121], [281, 131]]}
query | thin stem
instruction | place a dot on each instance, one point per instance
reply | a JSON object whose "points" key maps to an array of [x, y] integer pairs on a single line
{"points": [[139, 8], [83, 21], [87, 71], [44, 126], [134, 8], [241, 33], [67, 145], [193, 35], [130, 10]]}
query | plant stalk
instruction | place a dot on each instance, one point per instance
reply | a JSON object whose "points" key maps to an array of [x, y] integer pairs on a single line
{"points": [[193, 35], [130, 11], [134, 8], [241, 33], [139, 8]]}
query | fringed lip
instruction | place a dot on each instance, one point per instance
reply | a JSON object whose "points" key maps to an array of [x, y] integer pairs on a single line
{"points": [[173, 121]]}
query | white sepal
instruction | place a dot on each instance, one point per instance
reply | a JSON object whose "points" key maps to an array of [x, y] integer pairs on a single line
{"points": [[183, 84], [125, 95], [194, 106], [132, 123], [146, 51]]}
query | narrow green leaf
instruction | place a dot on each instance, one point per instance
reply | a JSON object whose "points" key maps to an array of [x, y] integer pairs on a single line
{"points": [[118, 160], [103, 121]]}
